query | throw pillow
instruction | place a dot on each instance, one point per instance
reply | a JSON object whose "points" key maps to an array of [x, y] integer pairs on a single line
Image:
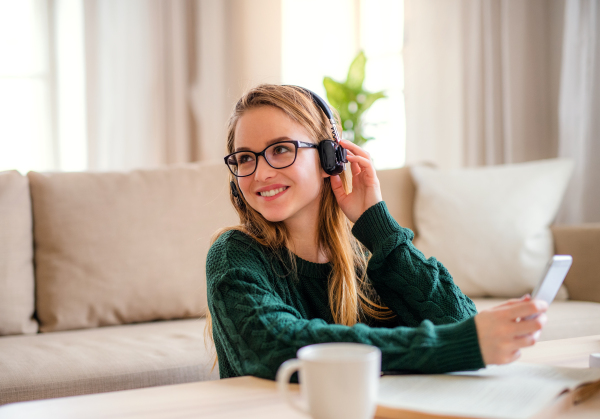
{"points": [[489, 226], [115, 248], [16, 256]]}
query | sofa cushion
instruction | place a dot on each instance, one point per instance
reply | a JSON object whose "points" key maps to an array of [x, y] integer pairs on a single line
{"points": [[16, 256], [117, 248], [566, 319], [104, 359], [490, 226]]}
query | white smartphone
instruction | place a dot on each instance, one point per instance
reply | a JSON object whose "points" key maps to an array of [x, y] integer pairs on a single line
{"points": [[553, 277]]}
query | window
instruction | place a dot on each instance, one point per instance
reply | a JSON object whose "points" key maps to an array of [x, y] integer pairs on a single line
{"points": [[25, 94], [321, 39], [42, 106]]}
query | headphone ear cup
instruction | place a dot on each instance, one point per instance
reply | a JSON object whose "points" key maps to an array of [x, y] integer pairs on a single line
{"points": [[341, 154], [236, 194], [234, 190], [332, 157]]}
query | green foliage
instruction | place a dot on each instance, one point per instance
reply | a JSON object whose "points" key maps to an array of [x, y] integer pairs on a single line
{"points": [[351, 100]]}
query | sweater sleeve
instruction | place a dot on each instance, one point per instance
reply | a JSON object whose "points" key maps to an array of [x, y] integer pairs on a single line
{"points": [[414, 287], [257, 331]]}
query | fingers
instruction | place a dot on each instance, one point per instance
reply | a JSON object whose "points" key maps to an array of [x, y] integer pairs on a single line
{"points": [[513, 301], [525, 327], [515, 355], [355, 168], [364, 164], [501, 336], [520, 310], [360, 162], [525, 341], [356, 150], [337, 187]]}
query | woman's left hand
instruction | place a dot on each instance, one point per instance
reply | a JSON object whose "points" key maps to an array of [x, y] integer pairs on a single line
{"points": [[365, 185]]}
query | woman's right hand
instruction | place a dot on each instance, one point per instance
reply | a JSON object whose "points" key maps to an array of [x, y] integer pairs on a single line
{"points": [[503, 331]]}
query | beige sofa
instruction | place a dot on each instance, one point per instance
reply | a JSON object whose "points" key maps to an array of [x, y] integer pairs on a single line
{"points": [[102, 283]]}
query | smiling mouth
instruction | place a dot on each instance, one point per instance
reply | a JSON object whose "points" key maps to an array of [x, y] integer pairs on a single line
{"points": [[273, 192]]}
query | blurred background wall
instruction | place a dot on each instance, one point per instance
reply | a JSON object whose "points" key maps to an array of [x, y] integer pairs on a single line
{"points": [[117, 85]]}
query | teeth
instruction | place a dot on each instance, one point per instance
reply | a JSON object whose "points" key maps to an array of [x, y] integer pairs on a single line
{"points": [[273, 191]]}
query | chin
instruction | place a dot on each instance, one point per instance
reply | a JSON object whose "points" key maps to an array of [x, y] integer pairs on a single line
{"points": [[274, 216], [274, 212]]}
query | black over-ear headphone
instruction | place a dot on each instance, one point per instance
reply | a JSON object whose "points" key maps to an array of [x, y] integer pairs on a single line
{"points": [[331, 154]]}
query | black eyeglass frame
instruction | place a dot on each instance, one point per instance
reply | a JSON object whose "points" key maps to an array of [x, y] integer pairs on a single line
{"points": [[298, 144]]}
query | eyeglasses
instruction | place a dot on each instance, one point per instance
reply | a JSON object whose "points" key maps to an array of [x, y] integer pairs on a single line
{"points": [[278, 155]]}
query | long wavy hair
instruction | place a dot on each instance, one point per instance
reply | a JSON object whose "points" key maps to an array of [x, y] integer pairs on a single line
{"points": [[351, 297]]}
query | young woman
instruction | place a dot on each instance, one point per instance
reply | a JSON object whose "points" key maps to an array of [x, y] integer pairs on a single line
{"points": [[310, 263]]}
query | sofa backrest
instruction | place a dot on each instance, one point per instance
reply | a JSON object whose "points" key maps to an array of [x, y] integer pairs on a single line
{"points": [[16, 256], [398, 192], [583, 243], [114, 248]]}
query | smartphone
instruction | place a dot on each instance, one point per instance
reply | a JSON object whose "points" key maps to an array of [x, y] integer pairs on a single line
{"points": [[553, 277]]}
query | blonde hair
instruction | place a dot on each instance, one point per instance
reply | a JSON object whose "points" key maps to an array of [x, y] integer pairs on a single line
{"points": [[351, 296]]}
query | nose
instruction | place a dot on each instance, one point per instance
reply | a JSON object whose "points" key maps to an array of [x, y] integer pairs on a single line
{"points": [[263, 170]]}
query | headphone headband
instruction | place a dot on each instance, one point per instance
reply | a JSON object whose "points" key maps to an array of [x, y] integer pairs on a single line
{"points": [[318, 100], [331, 152]]}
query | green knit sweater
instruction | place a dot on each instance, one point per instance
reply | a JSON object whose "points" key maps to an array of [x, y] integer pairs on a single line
{"points": [[261, 316]]}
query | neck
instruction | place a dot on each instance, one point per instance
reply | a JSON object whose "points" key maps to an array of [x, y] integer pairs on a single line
{"points": [[304, 237]]}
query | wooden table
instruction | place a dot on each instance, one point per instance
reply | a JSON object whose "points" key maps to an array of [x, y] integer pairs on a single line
{"points": [[249, 397]]}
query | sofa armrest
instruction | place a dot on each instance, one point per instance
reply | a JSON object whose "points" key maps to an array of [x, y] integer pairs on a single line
{"points": [[583, 243]]}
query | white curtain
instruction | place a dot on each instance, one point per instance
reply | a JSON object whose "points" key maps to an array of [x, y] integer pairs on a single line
{"points": [[481, 81], [580, 109], [238, 46], [139, 58]]}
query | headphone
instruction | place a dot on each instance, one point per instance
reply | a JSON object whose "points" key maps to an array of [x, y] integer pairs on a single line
{"points": [[331, 154]]}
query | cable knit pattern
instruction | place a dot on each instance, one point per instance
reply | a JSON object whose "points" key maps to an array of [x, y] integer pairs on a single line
{"points": [[262, 314]]}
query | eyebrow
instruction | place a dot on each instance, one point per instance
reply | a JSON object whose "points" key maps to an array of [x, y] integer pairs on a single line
{"points": [[276, 140]]}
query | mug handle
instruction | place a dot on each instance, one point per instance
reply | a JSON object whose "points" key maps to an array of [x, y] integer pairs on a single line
{"points": [[284, 373]]}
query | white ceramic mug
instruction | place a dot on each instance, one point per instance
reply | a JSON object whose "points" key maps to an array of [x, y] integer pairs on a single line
{"points": [[338, 380]]}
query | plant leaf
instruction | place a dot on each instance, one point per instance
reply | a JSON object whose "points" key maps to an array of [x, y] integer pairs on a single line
{"points": [[356, 72], [336, 93], [371, 98], [360, 140]]}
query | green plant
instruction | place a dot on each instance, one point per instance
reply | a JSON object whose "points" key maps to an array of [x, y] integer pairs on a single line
{"points": [[351, 100]]}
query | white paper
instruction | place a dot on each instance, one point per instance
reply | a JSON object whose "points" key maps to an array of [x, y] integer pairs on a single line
{"points": [[513, 391]]}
